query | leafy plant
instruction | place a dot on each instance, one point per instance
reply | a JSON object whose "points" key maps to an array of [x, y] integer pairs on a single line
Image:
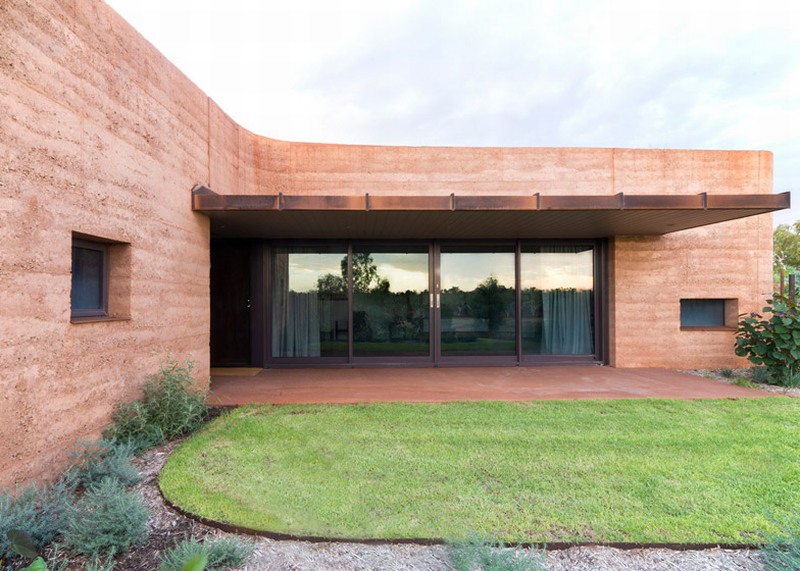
{"points": [[108, 519], [94, 461], [196, 563], [171, 405], [727, 373], [774, 341], [37, 513], [219, 554], [37, 564], [22, 544], [482, 554]]}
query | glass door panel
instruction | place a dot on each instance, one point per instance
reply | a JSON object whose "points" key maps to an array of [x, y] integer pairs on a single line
{"points": [[478, 301], [309, 301], [391, 296], [557, 300]]}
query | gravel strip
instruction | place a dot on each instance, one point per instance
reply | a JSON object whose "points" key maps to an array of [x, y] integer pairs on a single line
{"points": [[273, 555], [299, 556]]}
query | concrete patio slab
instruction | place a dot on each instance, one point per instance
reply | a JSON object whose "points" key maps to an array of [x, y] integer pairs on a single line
{"points": [[285, 386]]}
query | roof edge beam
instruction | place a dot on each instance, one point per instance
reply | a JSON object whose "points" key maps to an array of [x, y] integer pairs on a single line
{"points": [[206, 200]]}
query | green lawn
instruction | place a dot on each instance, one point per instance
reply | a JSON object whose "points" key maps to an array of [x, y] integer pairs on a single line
{"points": [[624, 470]]}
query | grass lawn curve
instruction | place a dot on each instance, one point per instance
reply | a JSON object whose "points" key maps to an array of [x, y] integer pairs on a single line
{"points": [[644, 471]]}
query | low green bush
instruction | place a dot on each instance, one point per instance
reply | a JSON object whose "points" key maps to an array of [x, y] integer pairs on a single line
{"points": [[94, 461], [38, 512], [108, 519], [761, 375], [774, 341], [482, 554], [130, 424], [171, 405], [781, 551], [220, 554], [100, 564]]}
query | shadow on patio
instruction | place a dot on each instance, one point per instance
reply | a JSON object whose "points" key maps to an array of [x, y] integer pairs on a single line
{"points": [[284, 386]]}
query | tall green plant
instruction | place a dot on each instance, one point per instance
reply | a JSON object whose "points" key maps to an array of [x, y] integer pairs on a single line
{"points": [[171, 405], [772, 341]]}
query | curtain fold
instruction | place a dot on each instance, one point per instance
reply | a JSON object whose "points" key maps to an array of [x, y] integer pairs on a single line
{"points": [[295, 316], [567, 322], [302, 328]]}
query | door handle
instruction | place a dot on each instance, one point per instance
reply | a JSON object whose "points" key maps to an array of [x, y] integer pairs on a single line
{"points": [[431, 300], [438, 300]]}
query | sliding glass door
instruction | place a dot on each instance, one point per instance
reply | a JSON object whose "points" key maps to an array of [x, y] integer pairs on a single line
{"points": [[477, 307], [558, 300], [391, 302], [309, 302], [441, 303]]}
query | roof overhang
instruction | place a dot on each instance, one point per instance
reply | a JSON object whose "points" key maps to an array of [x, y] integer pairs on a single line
{"points": [[471, 217]]}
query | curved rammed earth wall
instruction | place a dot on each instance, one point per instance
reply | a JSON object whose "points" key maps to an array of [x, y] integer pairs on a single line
{"points": [[102, 135]]}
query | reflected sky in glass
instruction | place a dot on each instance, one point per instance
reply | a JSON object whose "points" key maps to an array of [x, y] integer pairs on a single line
{"points": [[306, 269], [559, 270], [409, 272]]}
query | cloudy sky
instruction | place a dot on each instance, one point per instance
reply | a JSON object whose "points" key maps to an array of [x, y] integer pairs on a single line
{"points": [[698, 74]]}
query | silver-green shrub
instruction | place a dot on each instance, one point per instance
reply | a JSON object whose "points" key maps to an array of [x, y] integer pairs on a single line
{"points": [[39, 512], [106, 520], [483, 554], [220, 553], [781, 551], [94, 461]]}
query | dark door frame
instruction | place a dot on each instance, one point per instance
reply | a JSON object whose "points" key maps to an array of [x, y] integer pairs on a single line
{"points": [[262, 334]]}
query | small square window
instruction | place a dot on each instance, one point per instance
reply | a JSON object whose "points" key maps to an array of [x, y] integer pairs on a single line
{"points": [[89, 297]]}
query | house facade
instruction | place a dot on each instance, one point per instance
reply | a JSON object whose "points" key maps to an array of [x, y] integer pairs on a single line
{"points": [[137, 219]]}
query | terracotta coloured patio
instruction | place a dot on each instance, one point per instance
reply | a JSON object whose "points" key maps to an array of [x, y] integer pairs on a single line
{"points": [[284, 386]]}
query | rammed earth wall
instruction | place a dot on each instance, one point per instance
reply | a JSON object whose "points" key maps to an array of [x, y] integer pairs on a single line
{"points": [[102, 136]]}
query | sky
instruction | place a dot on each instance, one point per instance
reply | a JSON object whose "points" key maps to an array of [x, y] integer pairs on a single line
{"points": [[683, 74]]}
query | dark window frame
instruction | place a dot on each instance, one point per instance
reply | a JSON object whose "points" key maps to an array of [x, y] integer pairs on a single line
{"points": [[600, 247], [719, 307], [101, 311]]}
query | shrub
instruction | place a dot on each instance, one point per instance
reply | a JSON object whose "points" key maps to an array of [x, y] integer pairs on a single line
{"points": [[219, 554], [37, 512], [727, 373], [98, 564], [773, 342], [745, 382], [94, 461], [782, 551], [108, 519], [129, 424], [171, 405], [482, 554], [761, 375]]}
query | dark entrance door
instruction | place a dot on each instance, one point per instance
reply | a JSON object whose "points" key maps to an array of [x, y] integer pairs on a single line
{"points": [[230, 303]]}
